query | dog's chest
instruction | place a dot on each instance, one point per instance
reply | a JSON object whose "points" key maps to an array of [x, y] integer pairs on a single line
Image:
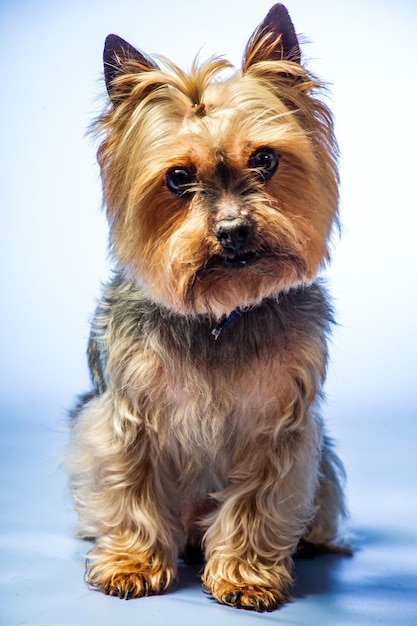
{"points": [[223, 397]]}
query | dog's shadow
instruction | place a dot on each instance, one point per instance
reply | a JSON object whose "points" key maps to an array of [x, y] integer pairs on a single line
{"points": [[189, 575], [318, 576]]}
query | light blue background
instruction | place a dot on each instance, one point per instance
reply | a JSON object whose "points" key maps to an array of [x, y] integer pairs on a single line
{"points": [[53, 257]]}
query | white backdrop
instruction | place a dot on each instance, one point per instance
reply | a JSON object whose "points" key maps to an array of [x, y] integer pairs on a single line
{"points": [[53, 235]]}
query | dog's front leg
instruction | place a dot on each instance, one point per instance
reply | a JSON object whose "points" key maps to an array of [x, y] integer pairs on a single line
{"points": [[124, 501], [136, 557], [263, 513]]}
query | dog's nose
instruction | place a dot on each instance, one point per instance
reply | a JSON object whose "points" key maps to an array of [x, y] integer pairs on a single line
{"points": [[233, 234]]}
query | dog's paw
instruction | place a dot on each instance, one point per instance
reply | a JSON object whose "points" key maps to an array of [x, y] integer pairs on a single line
{"points": [[251, 597], [127, 578], [258, 591]]}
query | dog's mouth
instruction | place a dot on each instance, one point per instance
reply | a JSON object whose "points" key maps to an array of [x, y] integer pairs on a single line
{"points": [[241, 260], [238, 260]]}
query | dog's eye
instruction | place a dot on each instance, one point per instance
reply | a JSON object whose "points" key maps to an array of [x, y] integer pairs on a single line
{"points": [[179, 179], [264, 161]]}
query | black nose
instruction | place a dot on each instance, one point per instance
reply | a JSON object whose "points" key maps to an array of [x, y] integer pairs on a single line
{"points": [[233, 234]]}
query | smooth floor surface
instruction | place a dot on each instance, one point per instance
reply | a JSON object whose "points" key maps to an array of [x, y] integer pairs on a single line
{"points": [[42, 564]]}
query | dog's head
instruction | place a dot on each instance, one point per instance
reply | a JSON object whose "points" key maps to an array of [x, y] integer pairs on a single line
{"points": [[219, 192]]}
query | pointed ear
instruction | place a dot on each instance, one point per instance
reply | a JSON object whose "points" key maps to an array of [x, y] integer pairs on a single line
{"points": [[120, 58], [274, 39]]}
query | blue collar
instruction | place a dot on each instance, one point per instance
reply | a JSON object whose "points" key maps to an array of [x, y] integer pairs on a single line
{"points": [[216, 331]]}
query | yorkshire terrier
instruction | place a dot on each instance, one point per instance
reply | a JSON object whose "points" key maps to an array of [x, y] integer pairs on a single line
{"points": [[208, 348]]}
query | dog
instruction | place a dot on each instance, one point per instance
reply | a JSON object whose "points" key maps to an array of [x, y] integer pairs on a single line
{"points": [[208, 349]]}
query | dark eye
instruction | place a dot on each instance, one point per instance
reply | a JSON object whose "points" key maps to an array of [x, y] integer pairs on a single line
{"points": [[264, 161], [179, 179]]}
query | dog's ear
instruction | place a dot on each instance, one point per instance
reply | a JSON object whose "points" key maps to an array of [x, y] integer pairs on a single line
{"points": [[274, 40], [120, 58]]}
